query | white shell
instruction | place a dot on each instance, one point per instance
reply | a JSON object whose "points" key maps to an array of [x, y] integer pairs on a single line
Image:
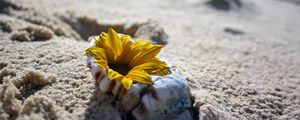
{"points": [[167, 98]]}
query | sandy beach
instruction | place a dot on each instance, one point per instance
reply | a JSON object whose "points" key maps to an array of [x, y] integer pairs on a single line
{"points": [[241, 58]]}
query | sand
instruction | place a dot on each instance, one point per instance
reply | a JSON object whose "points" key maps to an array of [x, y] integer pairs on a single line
{"points": [[241, 58]]}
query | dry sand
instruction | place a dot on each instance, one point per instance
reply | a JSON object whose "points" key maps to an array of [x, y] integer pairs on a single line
{"points": [[241, 58]]}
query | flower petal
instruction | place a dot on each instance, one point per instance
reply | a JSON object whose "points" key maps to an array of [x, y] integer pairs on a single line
{"points": [[104, 43], [154, 67], [115, 43], [100, 40], [140, 76], [102, 63], [127, 82], [113, 75], [97, 53], [126, 42], [112, 44], [142, 51]]}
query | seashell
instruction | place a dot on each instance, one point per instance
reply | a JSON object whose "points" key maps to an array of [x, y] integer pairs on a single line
{"points": [[167, 98]]}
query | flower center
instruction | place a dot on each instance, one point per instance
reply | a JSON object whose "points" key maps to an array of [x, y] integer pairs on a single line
{"points": [[123, 69]]}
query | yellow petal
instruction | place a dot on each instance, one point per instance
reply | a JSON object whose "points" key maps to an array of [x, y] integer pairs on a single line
{"points": [[102, 63], [104, 42], [100, 40], [113, 75], [114, 43], [127, 82], [134, 50], [97, 53], [140, 76], [142, 51], [154, 67], [126, 42]]}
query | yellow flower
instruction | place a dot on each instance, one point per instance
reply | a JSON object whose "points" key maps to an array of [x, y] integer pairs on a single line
{"points": [[126, 61]]}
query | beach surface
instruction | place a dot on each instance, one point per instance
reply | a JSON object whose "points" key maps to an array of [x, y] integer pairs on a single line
{"points": [[241, 58]]}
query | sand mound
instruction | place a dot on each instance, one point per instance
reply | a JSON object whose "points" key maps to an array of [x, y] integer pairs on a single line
{"points": [[32, 34], [89, 26], [44, 108], [32, 16], [6, 26], [9, 105], [16, 87]]}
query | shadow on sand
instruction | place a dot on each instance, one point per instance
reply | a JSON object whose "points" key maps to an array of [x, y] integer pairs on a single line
{"points": [[224, 5]]}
